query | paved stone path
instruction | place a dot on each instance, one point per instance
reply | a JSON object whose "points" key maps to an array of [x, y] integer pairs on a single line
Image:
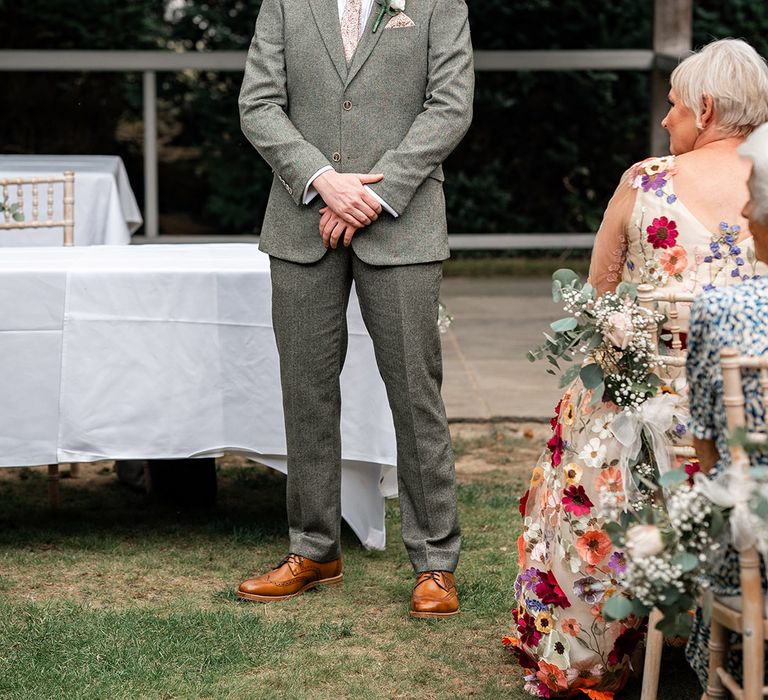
{"points": [[495, 322]]}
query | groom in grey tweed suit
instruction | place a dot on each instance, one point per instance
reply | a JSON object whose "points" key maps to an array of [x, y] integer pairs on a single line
{"points": [[355, 104]]}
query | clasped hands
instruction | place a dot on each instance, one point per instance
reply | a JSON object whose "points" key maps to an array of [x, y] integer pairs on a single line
{"points": [[348, 205]]}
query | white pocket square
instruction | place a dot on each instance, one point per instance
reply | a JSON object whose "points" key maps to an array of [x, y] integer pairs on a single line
{"points": [[400, 21]]}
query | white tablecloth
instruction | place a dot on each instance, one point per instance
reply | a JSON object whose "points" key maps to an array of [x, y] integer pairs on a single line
{"points": [[106, 212], [164, 352]]}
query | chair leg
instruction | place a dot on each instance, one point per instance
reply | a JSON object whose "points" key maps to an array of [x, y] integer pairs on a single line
{"points": [[718, 645], [53, 485], [653, 647], [752, 624]]}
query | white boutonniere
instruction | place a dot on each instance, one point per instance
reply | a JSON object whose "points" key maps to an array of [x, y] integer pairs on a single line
{"points": [[392, 6]]}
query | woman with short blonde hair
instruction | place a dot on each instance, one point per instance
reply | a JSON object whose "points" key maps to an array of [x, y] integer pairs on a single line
{"points": [[734, 77], [676, 222]]}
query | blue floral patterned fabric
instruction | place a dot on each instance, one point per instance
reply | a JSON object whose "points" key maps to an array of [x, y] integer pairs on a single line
{"points": [[728, 317]]}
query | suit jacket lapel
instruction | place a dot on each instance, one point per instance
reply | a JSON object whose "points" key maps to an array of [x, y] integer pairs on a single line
{"points": [[367, 42], [326, 14]]}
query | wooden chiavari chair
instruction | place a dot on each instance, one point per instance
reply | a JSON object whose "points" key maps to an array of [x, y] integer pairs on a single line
{"points": [[66, 223], [670, 365], [747, 617]]}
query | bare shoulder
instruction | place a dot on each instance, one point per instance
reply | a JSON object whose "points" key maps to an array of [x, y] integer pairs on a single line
{"points": [[703, 160]]}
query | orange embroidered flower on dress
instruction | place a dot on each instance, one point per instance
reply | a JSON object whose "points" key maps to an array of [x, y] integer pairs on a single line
{"points": [[521, 549], [597, 612], [674, 260], [594, 546], [551, 676], [597, 694], [610, 480], [570, 625]]}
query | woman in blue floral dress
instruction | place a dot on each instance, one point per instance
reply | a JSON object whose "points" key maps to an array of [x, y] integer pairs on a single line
{"points": [[674, 222], [736, 317]]}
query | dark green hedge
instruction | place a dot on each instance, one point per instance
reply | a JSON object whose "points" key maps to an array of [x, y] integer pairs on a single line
{"points": [[544, 153]]}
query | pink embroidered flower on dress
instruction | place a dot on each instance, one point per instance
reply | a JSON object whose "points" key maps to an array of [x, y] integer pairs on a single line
{"points": [[674, 260], [662, 233], [549, 592], [576, 501], [692, 467], [527, 631], [570, 625], [625, 644]]}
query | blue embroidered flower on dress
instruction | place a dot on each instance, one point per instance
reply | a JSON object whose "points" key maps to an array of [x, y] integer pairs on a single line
{"points": [[724, 246]]}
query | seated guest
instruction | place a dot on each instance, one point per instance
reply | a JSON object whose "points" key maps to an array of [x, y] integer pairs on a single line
{"points": [[665, 226], [734, 317]]}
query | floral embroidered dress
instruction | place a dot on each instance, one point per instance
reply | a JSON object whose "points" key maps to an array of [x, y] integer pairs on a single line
{"points": [[568, 565]]}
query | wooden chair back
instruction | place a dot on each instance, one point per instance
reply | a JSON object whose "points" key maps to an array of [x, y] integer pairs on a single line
{"points": [[17, 187], [750, 619], [669, 365]]}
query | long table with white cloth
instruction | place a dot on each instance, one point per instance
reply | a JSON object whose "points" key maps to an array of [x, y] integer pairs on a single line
{"points": [[167, 352], [106, 212]]}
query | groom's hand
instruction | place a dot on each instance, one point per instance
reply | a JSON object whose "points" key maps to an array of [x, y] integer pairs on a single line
{"points": [[347, 197], [334, 229]]}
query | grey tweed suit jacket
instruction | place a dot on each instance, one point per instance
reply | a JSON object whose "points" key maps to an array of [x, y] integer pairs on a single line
{"points": [[399, 108]]}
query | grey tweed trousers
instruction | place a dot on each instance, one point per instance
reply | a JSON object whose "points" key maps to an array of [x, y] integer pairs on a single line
{"points": [[399, 306]]}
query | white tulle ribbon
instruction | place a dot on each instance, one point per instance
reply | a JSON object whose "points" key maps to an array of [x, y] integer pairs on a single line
{"points": [[733, 488], [653, 418]]}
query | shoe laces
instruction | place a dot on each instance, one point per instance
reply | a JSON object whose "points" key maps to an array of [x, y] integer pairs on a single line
{"points": [[293, 560], [436, 576]]}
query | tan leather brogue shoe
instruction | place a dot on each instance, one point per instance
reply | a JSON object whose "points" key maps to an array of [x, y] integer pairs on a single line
{"points": [[434, 595], [291, 577]]}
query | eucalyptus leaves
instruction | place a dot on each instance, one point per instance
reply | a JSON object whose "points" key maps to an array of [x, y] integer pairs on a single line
{"points": [[12, 210], [612, 332]]}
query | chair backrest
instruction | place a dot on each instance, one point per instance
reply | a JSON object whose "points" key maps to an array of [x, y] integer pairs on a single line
{"points": [[731, 365], [750, 578], [649, 297], [67, 222]]}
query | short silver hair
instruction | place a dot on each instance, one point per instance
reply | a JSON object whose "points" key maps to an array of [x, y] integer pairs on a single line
{"points": [[756, 149], [735, 76]]}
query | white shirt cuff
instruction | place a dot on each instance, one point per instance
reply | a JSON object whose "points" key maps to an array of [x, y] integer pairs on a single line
{"points": [[384, 205], [309, 191]]}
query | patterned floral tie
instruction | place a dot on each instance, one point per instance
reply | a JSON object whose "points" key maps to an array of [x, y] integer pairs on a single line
{"points": [[350, 27]]}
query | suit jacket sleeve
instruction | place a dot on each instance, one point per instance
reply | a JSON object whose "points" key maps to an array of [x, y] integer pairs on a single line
{"points": [[263, 105], [447, 111]]}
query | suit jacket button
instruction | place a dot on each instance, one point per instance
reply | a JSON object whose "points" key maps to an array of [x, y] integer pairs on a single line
{"points": [[336, 157], [347, 105]]}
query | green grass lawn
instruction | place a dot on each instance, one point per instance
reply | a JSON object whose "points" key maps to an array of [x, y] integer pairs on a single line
{"points": [[115, 596]]}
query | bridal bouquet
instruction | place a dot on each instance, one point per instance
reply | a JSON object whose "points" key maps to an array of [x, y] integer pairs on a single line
{"points": [[613, 331]]}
